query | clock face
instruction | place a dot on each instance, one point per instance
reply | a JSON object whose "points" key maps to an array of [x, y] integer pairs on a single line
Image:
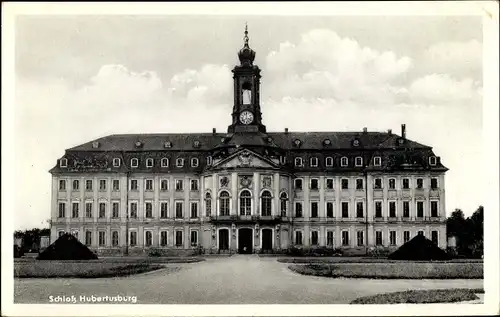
{"points": [[246, 117]]}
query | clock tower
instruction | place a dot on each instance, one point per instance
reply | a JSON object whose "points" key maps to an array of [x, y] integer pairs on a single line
{"points": [[246, 110]]}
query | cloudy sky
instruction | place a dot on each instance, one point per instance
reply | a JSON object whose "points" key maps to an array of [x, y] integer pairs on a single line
{"points": [[83, 77]]}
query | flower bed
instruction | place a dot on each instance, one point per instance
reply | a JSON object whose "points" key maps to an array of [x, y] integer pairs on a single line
{"points": [[421, 297]]}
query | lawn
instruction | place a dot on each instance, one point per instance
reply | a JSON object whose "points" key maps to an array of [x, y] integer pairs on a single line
{"points": [[388, 270], [333, 260], [421, 296], [88, 269]]}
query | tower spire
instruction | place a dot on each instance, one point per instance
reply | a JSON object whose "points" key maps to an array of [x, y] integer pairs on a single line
{"points": [[245, 38]]}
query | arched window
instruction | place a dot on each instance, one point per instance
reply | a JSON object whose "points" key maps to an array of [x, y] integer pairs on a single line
{"points": [[164, 162], [63, 162], [343, 161], [298, 161], [224, 204], [283, 204], [314, 162], [208, 204], [134, 162], [194, 162], [266, 203], [329, 161], [245, 203], [179, 162], [116, 162], [149, 162]]}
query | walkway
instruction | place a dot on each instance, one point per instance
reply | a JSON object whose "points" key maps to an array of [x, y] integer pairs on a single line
{"points": [[240, 279]]}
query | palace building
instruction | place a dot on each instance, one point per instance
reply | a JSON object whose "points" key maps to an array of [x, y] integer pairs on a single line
{"points": [[249, 190]]}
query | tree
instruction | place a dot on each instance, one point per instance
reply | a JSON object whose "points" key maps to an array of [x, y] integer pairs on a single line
{"points": [[455, 224], [469, 232]]}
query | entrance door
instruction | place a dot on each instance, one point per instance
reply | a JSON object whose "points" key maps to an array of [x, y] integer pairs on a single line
{"points": [[223, 239], [267, 239], [245, 241]]}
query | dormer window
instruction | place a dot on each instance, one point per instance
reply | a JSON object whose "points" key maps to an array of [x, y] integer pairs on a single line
{"points": [[194, 162], [313, 161], [298, 161], [63, 162], [355, 142], [196, 144], [222, 140], [297, 142], [377, 161], [432, 161], [358, 161], [95, 144], [134, 162], [344, 161], [138, 144], [209, 160], [149, 162], [167, 144], [116, 162], [164, 162], [283, 160], [179, 162], [329, 161], [327, 142]]}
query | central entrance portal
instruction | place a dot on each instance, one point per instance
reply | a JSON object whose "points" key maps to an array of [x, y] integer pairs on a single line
{"points": [[245, 241]]}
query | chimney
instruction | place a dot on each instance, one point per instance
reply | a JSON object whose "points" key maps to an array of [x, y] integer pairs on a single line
{"points": [[403, 131], [286, 130], [214, 131], [389, 131], [365, 129]]}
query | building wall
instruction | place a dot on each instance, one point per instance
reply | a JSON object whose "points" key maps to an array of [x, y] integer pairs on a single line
{"points": [[283, 235]]}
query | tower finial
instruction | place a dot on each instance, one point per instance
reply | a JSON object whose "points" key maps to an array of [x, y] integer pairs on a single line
{"points": [[245, 38]]}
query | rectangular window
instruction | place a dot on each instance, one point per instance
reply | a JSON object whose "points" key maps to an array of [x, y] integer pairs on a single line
{"points": [[116, 210], [359, 184], [329, 183], [76, 184], [194, 209], [344, 183], [60, 233], [62, 210], [434, 209], [298, 237], [392, 183], [359, 209], [314, 209], [62, 184], [392, 209], [434, 183], [178, 209], [420, 183], [194, 184], [345, 209], [163, 210], [406, 183], [102, 184], [133, 184], [314, 237], [377, 161], [194, 238], [360, 238], [345, 238], [378, 209], [114, 238], [102, 210], [88, 185], [392, 237], [298, 209], [179, 184], [406, 209], [434, 236], [406, 236], [314, 184], [133, 210], [164, 184], [116, 184], [88, 210], [378, 238], [329, 238], [133, 238], [420, 209], [149, 210], [102, 238], [88, 237], [163, 238], [148, 238], [377, 183], [149, 184], [178, 238], [420, 232], [298, 184], [75, 210], [329, 210]]}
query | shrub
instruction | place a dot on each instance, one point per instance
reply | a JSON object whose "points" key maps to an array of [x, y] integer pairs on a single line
{"points": [[313, 251], [199, 250], [154, 252], [379, 252]]}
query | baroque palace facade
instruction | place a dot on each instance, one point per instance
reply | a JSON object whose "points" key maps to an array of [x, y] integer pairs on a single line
{"points": [[248, 189]]}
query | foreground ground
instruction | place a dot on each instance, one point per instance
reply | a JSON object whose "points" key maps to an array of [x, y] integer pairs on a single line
{"points": [[234, 280]]}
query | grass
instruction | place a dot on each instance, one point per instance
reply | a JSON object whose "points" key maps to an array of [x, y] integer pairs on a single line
{"points": [[333, 260], [118, 259], [421, 297], [406, 270], [90, 269]]}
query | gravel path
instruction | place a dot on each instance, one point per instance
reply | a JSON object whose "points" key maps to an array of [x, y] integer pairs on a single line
{"points": [[240, 279]]}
